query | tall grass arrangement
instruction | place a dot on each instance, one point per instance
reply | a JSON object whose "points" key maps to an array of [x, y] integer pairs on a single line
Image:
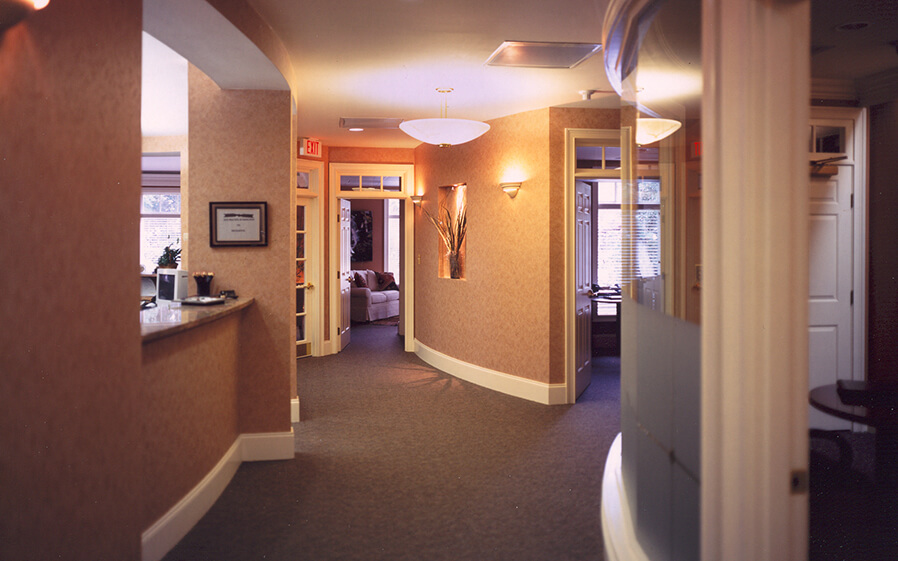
{"points": [[452, 230]]}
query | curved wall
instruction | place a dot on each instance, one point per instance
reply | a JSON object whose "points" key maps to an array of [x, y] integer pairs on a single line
{"points": [[507, 314]]}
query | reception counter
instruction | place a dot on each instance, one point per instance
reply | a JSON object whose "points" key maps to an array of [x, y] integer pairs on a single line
{"points": [[169, 318]]}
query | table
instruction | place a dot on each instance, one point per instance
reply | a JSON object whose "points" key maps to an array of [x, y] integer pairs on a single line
{"points": [[885, 420]]}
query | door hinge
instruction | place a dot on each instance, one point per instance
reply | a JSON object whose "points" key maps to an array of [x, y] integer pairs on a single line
{"points": [[852, 200], [852, 299], [798, 482]]}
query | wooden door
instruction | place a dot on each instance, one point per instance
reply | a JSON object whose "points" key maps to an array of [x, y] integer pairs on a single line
{"points": [[830, 289], [582, 301], [345, 272]]}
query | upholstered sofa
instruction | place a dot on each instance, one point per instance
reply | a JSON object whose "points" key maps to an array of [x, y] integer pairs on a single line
{"points": [[377, 299]]}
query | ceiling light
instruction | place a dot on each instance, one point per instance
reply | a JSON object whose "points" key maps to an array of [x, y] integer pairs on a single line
{"points": [[530, 54], [444, 131], [356, 129], [14, 11], [649, 130]]}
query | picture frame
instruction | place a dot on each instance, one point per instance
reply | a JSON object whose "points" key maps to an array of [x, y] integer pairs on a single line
{"points": [[238, 224]]}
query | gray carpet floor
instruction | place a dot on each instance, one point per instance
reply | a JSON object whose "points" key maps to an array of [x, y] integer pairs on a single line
{"points": [[396, 460]]}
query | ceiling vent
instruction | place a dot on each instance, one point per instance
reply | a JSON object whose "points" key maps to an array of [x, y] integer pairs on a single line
{"points": [[530, 54], [364, 123]]}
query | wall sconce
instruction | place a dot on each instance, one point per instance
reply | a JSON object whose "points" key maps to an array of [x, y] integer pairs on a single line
{"points": [[417, 199], [511, 189], [14, 11]]}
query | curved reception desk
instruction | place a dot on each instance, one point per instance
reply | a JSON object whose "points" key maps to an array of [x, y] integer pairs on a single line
{"points": [[192, 444]]}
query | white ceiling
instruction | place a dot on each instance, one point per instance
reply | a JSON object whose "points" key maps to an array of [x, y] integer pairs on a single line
{"points": [[364, 59]]}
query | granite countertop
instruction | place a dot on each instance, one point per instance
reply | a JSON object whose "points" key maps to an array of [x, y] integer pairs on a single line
{"points": [[169, 318]]}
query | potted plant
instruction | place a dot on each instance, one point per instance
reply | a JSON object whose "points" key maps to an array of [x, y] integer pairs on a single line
{"points": [[169, 258]]}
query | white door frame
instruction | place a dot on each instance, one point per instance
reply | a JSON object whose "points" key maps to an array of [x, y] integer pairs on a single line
{"points": [[570, 249], [314, 251], [407, 275], [854, 119]]}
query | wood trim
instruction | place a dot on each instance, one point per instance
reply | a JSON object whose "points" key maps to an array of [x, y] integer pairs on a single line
{"points": [[755, 253]]}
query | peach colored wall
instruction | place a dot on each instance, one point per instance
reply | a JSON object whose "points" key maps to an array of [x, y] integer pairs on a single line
{"points": [[176, 144], [377, 235], [70, 484], [515, 247], [190, 386], [242, 149], [245, 18], [498, 317]]}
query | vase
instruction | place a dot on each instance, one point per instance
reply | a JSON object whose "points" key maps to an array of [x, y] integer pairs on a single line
{"points": [[454, 267], [203, 285]]}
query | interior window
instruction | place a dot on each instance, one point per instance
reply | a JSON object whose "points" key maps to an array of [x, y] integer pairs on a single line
{"points": [[160, 223]]}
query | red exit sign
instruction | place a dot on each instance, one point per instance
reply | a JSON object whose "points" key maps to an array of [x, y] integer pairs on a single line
{"points": [[310, 147]]}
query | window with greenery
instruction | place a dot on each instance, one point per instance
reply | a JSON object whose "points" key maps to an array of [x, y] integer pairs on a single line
{"points": [[160, 223]]}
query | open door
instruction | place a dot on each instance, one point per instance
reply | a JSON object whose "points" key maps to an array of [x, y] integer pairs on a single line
{"points": [[583, 302], [345, 272]]}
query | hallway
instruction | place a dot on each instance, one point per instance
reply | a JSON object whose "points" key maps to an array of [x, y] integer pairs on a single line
{"points": [[396, 460]]}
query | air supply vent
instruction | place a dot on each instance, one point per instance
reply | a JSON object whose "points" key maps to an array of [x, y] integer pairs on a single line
{"points": [[530, 54], [367, 123]]}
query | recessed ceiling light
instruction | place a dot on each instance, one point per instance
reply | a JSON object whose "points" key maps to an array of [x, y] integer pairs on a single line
{"points": [[852, 26], [368, 123], [531, 54], [356, 129]]}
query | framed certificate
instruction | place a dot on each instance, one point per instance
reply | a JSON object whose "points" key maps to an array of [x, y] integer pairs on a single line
{"points": [[238, 224]]}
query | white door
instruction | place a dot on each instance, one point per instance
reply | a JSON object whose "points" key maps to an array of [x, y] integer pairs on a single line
{"points": [[830, 286], [345, 272], [583, 350]]}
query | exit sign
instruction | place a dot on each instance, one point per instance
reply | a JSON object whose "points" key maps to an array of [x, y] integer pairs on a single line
{"points": [[310, 147]]}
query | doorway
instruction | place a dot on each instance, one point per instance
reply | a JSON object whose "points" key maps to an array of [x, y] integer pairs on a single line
{"points": [[349, 183], [837, 253]]}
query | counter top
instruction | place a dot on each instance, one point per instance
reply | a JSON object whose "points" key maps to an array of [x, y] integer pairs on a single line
{"points": [[169, 318]]}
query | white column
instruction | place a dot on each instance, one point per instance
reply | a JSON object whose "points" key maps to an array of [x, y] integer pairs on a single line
{"points": [[754, 304]]}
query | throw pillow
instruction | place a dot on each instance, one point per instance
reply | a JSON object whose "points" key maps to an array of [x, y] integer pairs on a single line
{"points": [[360, 281], [385, 281]]}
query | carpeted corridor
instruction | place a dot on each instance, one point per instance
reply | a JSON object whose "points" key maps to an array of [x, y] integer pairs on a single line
{"points": [[395, 460]]}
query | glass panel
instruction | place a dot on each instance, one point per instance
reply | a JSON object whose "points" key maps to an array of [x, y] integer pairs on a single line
{"points": [[371, 182], [393, 207], [612, 157], [300, 328], [608, 247], [300, 300], [300, 246], [302, 180], [393, 250], [300, 272], [155, 235], [829, 139], [649, 191], [589, 157], [300, 217], [648, 243], [349, 182], [161, 203], [608, 192], [392, 183]]}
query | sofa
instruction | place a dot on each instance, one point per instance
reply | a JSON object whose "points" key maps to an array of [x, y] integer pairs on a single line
{"points": [[373, 296]]}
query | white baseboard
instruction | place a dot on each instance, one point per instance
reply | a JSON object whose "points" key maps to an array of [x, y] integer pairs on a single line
{"points": [[548, 394], [294, 410], [165, 533], [617, 525], [266, 446]]}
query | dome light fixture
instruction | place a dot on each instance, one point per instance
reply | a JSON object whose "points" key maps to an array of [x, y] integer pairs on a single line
{"points": [[650, 129], [14, 11], [444, 131]]}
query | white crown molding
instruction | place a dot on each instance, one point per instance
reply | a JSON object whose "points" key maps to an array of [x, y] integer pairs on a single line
{"points": [[548, 394], [833, 88], [165, 533]]}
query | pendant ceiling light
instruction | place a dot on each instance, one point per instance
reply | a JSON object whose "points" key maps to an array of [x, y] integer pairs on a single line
{"points": [[649, 130], [444, 131]]}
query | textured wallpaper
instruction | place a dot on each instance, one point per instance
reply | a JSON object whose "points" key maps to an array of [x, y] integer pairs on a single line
{"points": [[241, 149], [70, 385], [508, 313]]}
